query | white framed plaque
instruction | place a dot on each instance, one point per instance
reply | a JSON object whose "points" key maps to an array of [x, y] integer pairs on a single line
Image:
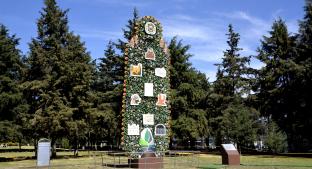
{"points": [[161, 72], [148, 119], [148, 89], [133, 129]]}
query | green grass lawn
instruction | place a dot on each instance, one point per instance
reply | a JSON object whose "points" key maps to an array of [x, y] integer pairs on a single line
{"points": [[17, 147], [32, 154], [258, 162], [205, 161]]}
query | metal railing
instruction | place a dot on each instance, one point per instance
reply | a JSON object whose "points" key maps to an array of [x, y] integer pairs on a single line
{"points": [[168, 159]]}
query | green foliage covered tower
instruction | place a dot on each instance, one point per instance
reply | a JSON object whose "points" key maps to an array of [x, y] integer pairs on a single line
{"points": [[145, 108]]}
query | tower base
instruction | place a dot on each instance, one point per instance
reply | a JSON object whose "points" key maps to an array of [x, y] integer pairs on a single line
{"points": [[147, 161]]}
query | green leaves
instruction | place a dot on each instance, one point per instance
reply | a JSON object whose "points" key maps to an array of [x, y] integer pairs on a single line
{"points": [[239, 124], [276, 140]]}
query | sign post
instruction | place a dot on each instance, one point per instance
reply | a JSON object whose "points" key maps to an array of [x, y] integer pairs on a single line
{"points": [[44, 152]]}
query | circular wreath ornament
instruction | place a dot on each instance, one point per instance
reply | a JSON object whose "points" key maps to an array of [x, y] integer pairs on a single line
{"points": [[150, 28]]}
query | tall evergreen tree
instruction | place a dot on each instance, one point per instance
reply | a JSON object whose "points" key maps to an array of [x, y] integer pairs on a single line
{"points": [[230, 112], [108, 90], [12, 104], [59, 76], [128, 31], [109, 83], [232, 76], [304, 80], [10, 75], [277, 94], [189, 90]]}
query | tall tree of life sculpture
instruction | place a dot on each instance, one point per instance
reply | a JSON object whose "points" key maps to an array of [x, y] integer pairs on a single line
{"points": [[146, 108]]}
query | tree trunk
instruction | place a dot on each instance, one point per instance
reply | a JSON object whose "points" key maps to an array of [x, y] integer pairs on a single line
{"points": [[35, 146], [207, 143], [20, 144], [76, 148], [53, 148], [192, 144]]}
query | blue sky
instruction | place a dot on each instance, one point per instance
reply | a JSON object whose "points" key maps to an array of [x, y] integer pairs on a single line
{"points": [[200, 23]]}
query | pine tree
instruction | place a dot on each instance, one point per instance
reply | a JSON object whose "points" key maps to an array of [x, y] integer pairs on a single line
{"points": [[10, 75], [111, 69], [189, 90], [275, 139], [233, 71], [108, 89], [230, 112], [303, 82], [180, 61], [277, 80], [128, 31], [59, 76], [239, 125], [109, 84], [12, 104]]}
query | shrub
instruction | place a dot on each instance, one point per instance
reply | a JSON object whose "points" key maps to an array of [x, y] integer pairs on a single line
{"points": [[276, 140]]}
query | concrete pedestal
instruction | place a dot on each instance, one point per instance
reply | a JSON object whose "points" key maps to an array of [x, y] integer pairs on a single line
{"points": [[230, 156], [147, 161]]}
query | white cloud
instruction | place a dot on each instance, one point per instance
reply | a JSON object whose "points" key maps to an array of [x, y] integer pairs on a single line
{"points": [[207, 39], [249, 18], [208, 36], [256, 64], [185, 31]]}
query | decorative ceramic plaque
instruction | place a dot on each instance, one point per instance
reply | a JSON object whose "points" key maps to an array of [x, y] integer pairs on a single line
{"points": [[146, 141], [135, 99], [161, 72], [133, 129], [150, 28], [150, 54], [161, 100], [160, 130], [136, 70], [148, 89], [148, 119]]}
